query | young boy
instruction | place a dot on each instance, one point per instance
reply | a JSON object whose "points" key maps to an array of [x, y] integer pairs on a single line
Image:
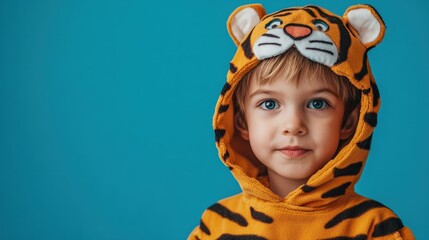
{"points": [[294, 124]]}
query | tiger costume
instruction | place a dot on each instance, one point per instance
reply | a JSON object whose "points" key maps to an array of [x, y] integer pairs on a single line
{"points": [[326, 207]]}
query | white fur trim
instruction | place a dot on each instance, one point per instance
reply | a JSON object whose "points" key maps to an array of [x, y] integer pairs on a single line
{"points": [[365, 24], [243, 22]]}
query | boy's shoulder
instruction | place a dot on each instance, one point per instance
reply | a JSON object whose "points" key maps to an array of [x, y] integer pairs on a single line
{"points": [[362, 203], [379, 217], [226, 206], [356, 205]]}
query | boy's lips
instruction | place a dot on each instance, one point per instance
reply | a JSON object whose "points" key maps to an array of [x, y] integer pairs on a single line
{"points": [[294, 151]]}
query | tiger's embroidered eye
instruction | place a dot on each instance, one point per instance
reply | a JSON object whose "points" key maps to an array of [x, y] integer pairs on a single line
{"points": [[275, 23], [317, 104], [269, 105], [321, 25]]}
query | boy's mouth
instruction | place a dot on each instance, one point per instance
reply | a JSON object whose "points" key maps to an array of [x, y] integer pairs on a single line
{"points": [[294, 151]]}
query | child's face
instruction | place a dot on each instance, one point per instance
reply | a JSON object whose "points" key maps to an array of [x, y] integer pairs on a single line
{"points": [[294, 130]]}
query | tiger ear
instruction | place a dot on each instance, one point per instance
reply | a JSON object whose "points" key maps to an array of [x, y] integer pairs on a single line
{"points": [[367, 22], [243, 19]]}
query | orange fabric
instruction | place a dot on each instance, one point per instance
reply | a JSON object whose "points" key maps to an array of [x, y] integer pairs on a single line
{"points": [[326, 207]]}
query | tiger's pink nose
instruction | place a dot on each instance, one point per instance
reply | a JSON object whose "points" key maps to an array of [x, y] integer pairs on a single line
{"points": [[296, 31]]}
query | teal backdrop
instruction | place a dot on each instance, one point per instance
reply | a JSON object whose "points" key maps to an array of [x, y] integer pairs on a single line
{"points": [[106, 107]]}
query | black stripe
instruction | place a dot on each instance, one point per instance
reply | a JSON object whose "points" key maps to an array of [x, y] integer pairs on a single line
{"points": [[247, 48], [353, 212], [375, 92], [364, 71], [345, 40], [279, 12], [232, 68], [320, 50], [260, 216], [307, 188], [225, 89], [204, 228], [219, 133], [240, 237], [350, 170], [282, 15], [226, 213], [366, 91], [197, 238], [225, 156], [365, 144], [223, 108], [337, 191], [387, 227], [358, 237], [371, 119], [309, 11]]}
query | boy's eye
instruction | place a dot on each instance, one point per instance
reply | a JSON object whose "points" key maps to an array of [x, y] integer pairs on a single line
{"points": [[317, 104], [269, 105]]}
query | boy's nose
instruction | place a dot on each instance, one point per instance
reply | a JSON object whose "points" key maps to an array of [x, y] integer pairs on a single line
{"points": [[294, 124], [297, 31], [298, 130]]}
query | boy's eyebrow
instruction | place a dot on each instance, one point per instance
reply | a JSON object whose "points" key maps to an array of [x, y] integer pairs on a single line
{"points": [[326, 90], [261, 91], [270, 92]]}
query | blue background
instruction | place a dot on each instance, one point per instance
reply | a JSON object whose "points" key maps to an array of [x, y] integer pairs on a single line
{"points": [[106, 107]]}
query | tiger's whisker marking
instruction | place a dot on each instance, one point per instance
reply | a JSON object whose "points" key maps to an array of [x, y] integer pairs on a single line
{"points": [[270, 35], [321, 41], [320, 50], [276, 44]]}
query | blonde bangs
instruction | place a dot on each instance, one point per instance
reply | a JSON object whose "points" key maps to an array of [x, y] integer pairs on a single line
{"points": [[292, 66]]}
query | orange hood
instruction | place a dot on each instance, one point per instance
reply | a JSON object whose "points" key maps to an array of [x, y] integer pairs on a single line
{"points": [[341, 43]]}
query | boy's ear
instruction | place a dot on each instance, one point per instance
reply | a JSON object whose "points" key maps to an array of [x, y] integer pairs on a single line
{"points": [[349, 126], [241, 127], [243, 19], [367, 22]]}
